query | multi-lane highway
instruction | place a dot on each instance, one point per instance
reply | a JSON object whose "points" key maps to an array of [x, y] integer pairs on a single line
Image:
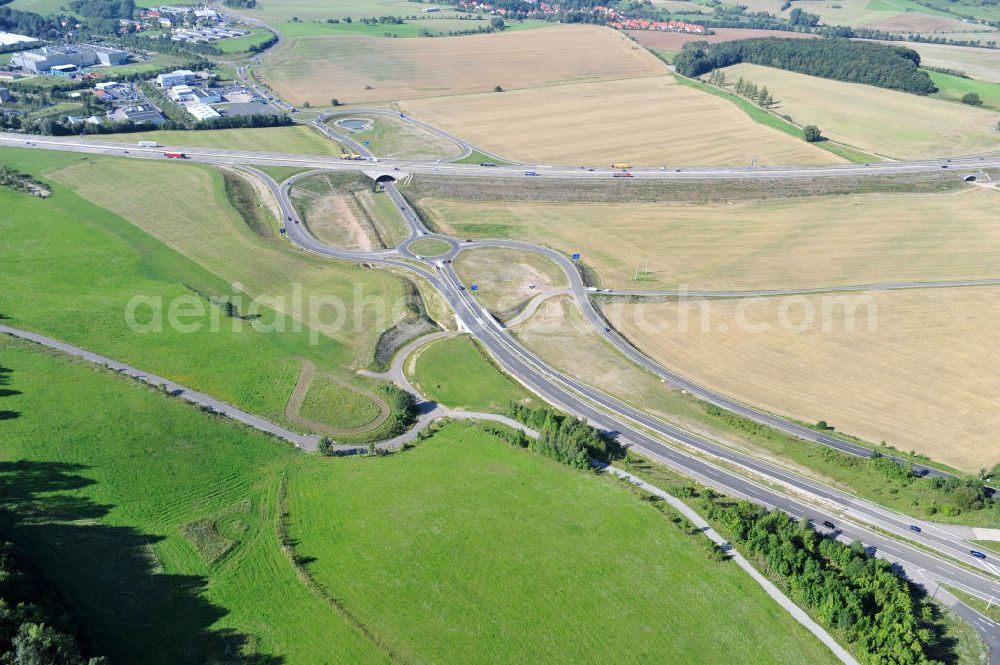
{"points": [[933, 559]]}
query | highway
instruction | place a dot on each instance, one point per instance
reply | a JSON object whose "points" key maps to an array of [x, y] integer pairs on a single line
{"points": [[694, 456]]}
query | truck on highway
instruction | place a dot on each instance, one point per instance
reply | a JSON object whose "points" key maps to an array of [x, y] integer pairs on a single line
{"points": [[148, 144], [175, 155], [351, 155], [622, 174], [621, 166], [530, 172], [487, 164]]}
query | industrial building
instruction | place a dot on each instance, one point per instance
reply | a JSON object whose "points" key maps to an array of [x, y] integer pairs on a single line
{"points": [[202, 111], [185, 94], [138, 114], [176, 77], [43, 60]]}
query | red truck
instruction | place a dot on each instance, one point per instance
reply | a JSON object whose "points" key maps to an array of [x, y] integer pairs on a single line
{"points": [[174, 155]]}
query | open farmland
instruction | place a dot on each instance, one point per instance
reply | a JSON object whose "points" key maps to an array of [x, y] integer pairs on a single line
{"points": [[917, 22], [776, 243], [296, 139], [279, 11], [916, 381], [674, 41], [979, 63], [615, 121], [857, 115], [495, 536], [359, 69]]}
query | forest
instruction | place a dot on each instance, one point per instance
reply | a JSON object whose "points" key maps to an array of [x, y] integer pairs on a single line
{"points": [[893, 67]]}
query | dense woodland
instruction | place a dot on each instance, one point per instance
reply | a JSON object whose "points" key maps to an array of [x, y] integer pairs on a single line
{"points": [[892, 67], [883, 617], [34, 626]]}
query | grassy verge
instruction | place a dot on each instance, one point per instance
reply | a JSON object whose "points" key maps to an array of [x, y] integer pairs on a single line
{"points": [[476, 157], [457, 373], [281, 173], [298, 139], [987, 609]]}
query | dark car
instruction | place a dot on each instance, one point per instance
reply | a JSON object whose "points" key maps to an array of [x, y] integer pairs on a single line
{"points": [[468, 240], [829, 525], [915, 529], [977, 554]]}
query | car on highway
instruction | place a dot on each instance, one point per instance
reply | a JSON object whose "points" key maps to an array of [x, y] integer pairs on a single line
{"points": [[829, 525], [977, 554], [915, 529]]}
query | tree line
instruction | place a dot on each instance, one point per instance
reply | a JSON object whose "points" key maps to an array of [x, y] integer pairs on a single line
{"points": [[35, 628], [893, 67], [884, 618], [563, 438]]}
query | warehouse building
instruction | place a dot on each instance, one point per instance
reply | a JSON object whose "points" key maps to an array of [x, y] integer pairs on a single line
{"points": [[45, 59]]}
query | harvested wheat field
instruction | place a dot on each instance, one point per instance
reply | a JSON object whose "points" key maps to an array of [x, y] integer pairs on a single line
{"points": [[675, 41], [979, 63], [647, 121], [918, 22], [887, 122], [358, 69], [769, 244], [917, 381]]}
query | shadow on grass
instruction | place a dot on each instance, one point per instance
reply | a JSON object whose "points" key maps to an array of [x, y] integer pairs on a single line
{"points": [[5, 373], [126, 606]]}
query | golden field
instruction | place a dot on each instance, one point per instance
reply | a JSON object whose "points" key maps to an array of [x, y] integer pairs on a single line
{"points": [[765, 244], [887, 122], [366, 70], [648, 121], [909, 368]]}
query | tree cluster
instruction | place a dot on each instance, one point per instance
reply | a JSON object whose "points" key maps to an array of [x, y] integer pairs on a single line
{"points": [[748, 89], [35, 628], [19, 182], [892, 67], [244, 4], [29, 23], [563, 438], [881, 615]]}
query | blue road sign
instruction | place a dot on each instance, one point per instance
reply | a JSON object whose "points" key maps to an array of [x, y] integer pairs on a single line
{"points": [[364, 143], [474, 287], [576, 256]]}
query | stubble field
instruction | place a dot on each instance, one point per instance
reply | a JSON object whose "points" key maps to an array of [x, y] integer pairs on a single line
{"points": [[890, 123], [909, 370], [647, 121], [778, 243], [367, 70], [979, 63]]}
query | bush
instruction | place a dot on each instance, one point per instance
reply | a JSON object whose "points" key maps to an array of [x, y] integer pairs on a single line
{"points": [[972, 99]]}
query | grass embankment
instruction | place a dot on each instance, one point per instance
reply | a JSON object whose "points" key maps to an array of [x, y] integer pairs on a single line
{"points": [[456, 372], [294, 139], [70, 269], [991, 610], [161, 526]]}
